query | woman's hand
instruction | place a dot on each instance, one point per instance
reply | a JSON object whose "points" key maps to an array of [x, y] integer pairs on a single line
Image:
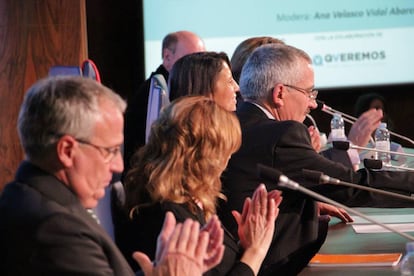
{"points": [[256, 225], [183, 249], [215, 248]]}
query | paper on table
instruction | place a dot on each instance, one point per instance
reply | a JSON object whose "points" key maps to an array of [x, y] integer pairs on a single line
{"points": [[373, 228], [385, 219]]}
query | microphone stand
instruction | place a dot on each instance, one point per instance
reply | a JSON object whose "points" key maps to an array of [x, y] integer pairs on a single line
{"points": [[297, 187], [401, 137], [342, 145], [325, 179], [347, 118], [266, 172], [351, 119], [376, 164]]}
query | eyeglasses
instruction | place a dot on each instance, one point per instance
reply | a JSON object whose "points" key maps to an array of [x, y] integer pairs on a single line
{"points": [[312, 94], [108, 153]]}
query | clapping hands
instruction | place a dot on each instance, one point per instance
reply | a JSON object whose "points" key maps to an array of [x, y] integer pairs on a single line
{"points": [[184, 248], [256, 225]]}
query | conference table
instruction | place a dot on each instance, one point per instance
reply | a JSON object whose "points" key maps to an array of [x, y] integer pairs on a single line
{"points": [[342, 239]]}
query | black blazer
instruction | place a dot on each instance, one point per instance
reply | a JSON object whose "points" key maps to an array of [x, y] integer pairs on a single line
{"points": [[147, 223], [44, 230], [286, 146]]}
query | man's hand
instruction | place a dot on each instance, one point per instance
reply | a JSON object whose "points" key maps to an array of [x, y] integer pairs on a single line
{"points": [[315, 138], [362, 129], [328, 209]]}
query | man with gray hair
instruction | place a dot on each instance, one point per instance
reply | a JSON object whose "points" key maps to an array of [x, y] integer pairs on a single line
{"points": [[71, 129], [277, 84]]}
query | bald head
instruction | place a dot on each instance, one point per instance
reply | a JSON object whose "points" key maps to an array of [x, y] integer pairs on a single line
{"points": [[178, 44]]}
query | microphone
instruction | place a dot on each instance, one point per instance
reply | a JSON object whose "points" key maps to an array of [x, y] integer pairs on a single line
{"points": [[327, 109], [345, 145], [269, 173], [351, 119], [322, 178], [376, 164], [347, 118], [312, 120], [266, 172], [323, 138]]}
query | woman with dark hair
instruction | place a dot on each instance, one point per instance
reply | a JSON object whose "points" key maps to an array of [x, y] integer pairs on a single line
{"points": [[204, 73]]}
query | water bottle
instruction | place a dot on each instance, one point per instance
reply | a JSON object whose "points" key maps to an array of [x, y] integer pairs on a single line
{"points": [[382, 142], [407, 263], [337, 128]]}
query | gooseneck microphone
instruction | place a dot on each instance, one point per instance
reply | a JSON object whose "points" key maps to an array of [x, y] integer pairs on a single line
{"points": [[347, 118], [321, 178], [327, 109], [345, 145], [312, 120], [351, 119], [268, 173], [323, 138], [373, 163], [376, 164]]}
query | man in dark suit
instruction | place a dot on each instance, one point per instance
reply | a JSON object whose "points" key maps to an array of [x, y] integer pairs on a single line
{"points": [[277, 84], [174, 46], [71, 129]]}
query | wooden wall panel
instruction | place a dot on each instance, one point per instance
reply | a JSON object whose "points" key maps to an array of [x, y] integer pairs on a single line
{"points": [[34, 35]]}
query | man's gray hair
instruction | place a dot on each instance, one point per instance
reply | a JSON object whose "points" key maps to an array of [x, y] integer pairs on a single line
{"points": [[56, 106], [268, 65]]}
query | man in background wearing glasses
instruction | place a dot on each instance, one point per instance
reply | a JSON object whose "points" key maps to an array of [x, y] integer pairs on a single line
{"points": [[277, 84], [71, 129]]}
